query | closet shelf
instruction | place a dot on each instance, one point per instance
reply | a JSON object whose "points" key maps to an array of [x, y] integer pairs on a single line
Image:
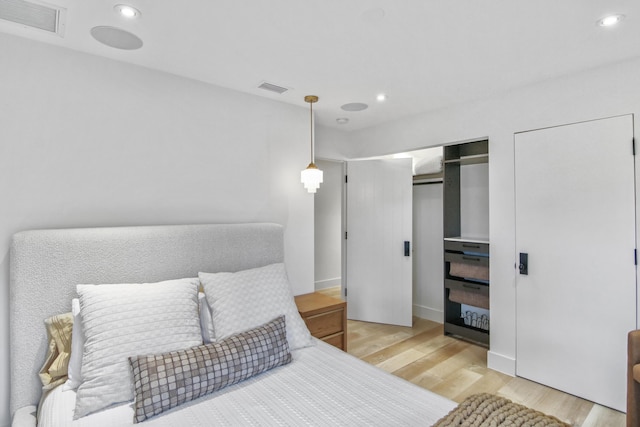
{"points": [[470, 160], [431, 178], [459, 328], [466, 258], [468, 239], [467, 285]]}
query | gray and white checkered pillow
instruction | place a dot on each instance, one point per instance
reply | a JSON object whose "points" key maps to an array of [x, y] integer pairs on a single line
{"points": [[167, 380]]}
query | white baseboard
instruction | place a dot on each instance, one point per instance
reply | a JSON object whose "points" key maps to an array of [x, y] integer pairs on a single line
{"points": [[501, 363], [328, 283], [428, 313]]}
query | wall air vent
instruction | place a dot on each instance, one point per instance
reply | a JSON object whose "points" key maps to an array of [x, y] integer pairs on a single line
{"points": [[273, 88], [41, 16]]}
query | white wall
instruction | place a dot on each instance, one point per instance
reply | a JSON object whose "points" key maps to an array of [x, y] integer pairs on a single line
{"points": [[602, 92], [474, 200], [86, 141], [428, 253], [328, 226], [335, 142]]}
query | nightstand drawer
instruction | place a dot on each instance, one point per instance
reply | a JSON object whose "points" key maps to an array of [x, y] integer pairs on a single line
{"points": [[324, 324], [336, 340], [325, 317]]}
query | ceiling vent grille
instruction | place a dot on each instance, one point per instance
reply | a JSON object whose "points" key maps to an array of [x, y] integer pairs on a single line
{"points": [[36, 15], [272, 88]]}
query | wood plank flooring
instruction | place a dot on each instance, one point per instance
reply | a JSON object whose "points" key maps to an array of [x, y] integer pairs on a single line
{"points": [[456, 369]]}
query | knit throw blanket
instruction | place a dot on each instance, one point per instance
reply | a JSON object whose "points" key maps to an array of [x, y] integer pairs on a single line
{"points": [[487, 410]]}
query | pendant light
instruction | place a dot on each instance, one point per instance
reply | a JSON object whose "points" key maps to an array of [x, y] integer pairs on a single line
{"points": [[311, 177]]}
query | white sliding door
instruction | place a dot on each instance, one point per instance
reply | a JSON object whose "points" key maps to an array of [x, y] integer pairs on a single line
{"points": [[575, 219], [379, 205]]}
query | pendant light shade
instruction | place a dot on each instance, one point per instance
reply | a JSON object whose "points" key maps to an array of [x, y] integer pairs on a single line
{"points": [[311, 177]]}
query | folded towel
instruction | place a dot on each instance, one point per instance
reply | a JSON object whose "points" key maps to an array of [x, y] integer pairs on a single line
{"points": [[467, 271], [428, 165], [469, 298]]}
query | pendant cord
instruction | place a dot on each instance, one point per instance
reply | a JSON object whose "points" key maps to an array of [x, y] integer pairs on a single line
{"points": [[311, 121]]}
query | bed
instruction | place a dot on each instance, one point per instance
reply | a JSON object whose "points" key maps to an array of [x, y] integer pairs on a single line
{"points": [[317, 385]]}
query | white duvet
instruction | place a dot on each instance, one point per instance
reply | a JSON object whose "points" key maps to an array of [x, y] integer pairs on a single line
{"points": [[323, 386]]}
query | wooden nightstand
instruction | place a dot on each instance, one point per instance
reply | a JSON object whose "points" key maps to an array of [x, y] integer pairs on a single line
{"points": [[325, 317]]}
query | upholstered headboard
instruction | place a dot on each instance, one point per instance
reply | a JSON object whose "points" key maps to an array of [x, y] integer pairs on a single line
{"points": [[45, 266]]}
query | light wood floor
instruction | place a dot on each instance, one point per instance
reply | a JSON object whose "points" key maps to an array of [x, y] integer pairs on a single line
{"points": [[456, 369]]}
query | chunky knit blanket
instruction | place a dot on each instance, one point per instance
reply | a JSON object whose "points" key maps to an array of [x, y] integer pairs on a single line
{"points": [[487, 410]]}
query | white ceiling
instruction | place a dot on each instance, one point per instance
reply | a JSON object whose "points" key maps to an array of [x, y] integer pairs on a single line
{"points": [[424, 54]]}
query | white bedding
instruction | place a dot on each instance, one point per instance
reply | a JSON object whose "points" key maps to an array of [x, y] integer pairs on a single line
{"points": [[322, 386], [430, 164]]}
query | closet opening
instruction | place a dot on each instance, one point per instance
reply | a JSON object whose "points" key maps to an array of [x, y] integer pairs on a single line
{"points": [[429, 271]]}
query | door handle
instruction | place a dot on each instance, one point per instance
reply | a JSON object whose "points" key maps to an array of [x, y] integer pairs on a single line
{"points": [[407, 248], [524, 264]]}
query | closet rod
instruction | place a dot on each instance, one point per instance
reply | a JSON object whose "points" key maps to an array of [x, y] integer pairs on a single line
{"points": [[429, 182]]}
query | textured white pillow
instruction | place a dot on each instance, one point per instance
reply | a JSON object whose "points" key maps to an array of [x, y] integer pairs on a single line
{"points": [[247, 299], [77, 339], [124, 320], [74, 375], [206, 321]]}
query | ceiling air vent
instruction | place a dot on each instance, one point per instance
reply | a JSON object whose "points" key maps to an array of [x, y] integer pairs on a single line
{"points": [[38, 15], [273, 88]]}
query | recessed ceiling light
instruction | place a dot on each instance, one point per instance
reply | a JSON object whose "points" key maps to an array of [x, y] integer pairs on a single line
{"points": [[381, 97], [611, 20], [354, 106], [342, 120], [126, 11]]}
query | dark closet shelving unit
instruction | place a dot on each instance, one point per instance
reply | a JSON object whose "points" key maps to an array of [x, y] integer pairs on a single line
{"points": [[466, 250]]}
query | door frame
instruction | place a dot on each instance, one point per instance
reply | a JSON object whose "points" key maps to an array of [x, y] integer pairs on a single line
{"points": [[343, 189], [343, 221]]}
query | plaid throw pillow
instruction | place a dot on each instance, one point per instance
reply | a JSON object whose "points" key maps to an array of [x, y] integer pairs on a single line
{"points": [[167, 380]]}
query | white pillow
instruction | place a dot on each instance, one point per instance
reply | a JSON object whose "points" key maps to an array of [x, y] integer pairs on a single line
{"points": [[247, 299], [74, 375], [206, 321], [126, 320]]}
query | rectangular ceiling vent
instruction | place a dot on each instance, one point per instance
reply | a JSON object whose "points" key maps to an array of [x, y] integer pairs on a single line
{"points": [[273, 88], [41, 16]]}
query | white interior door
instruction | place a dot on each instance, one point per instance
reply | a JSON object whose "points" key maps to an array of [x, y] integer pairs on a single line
{"points": [[379, 207], [575, 218]]}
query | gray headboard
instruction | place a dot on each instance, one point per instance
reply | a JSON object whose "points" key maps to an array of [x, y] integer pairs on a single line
{"points": [[45, 266]]}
